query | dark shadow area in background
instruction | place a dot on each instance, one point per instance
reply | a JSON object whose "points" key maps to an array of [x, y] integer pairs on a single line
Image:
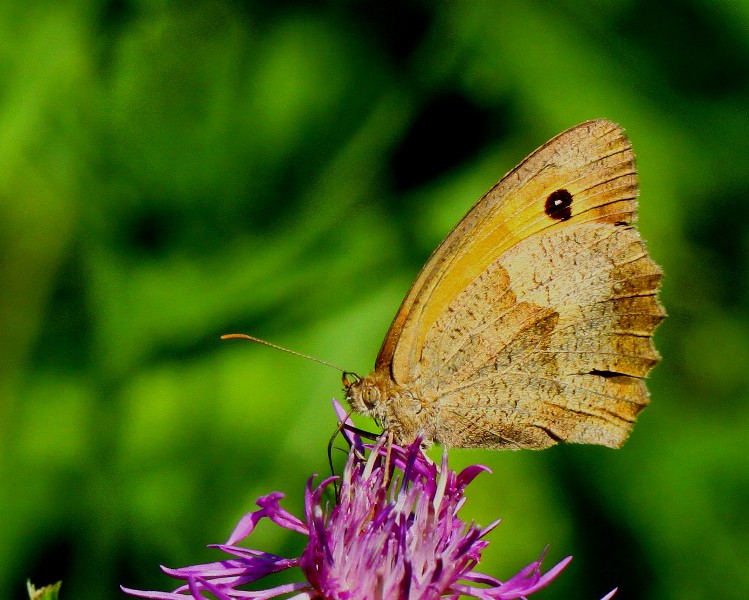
{"points": [[622, 552], [698, 51]]}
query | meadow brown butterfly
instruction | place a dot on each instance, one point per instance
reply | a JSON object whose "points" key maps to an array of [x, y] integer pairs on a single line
{"points": [[531, 323]]}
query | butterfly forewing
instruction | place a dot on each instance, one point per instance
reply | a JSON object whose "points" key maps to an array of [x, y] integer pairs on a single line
{"points": [[593, 161]]}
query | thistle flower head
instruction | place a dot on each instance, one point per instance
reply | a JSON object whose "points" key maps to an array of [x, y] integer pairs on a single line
{"points": [[394, 533]]}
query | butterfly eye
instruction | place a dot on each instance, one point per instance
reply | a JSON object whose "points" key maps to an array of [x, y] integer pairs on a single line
{"points": [[370, 396], [361, 394]]}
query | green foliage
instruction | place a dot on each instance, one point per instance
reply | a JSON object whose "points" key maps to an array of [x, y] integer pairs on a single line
{"points": [[175, 171]]}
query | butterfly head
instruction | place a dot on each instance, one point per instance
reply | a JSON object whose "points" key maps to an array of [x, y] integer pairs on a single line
{"points": [[361, 394], [393, 407]]}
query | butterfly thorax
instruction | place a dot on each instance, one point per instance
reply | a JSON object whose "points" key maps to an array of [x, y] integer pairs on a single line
{"points": [[395, 408]]}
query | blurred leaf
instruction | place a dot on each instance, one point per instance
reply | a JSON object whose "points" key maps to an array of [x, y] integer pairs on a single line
{"points": [[48, 592]]}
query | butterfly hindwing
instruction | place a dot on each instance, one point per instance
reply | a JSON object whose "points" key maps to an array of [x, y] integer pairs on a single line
{"points": [[561, 355]]}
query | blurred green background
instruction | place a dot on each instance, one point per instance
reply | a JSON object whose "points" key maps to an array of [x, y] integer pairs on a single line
{"points": [[172, 171]]}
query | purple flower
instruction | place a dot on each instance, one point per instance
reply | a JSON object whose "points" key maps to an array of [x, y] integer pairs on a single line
{"points": [[393, 534]]}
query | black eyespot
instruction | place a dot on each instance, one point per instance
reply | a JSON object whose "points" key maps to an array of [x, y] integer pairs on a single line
{"points": [[559, 205]]}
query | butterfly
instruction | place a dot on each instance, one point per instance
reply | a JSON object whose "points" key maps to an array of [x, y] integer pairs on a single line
{"points": [[531, 323]]}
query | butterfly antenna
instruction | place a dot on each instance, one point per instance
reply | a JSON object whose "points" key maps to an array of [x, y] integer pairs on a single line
{"points": [[244, 336]]}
